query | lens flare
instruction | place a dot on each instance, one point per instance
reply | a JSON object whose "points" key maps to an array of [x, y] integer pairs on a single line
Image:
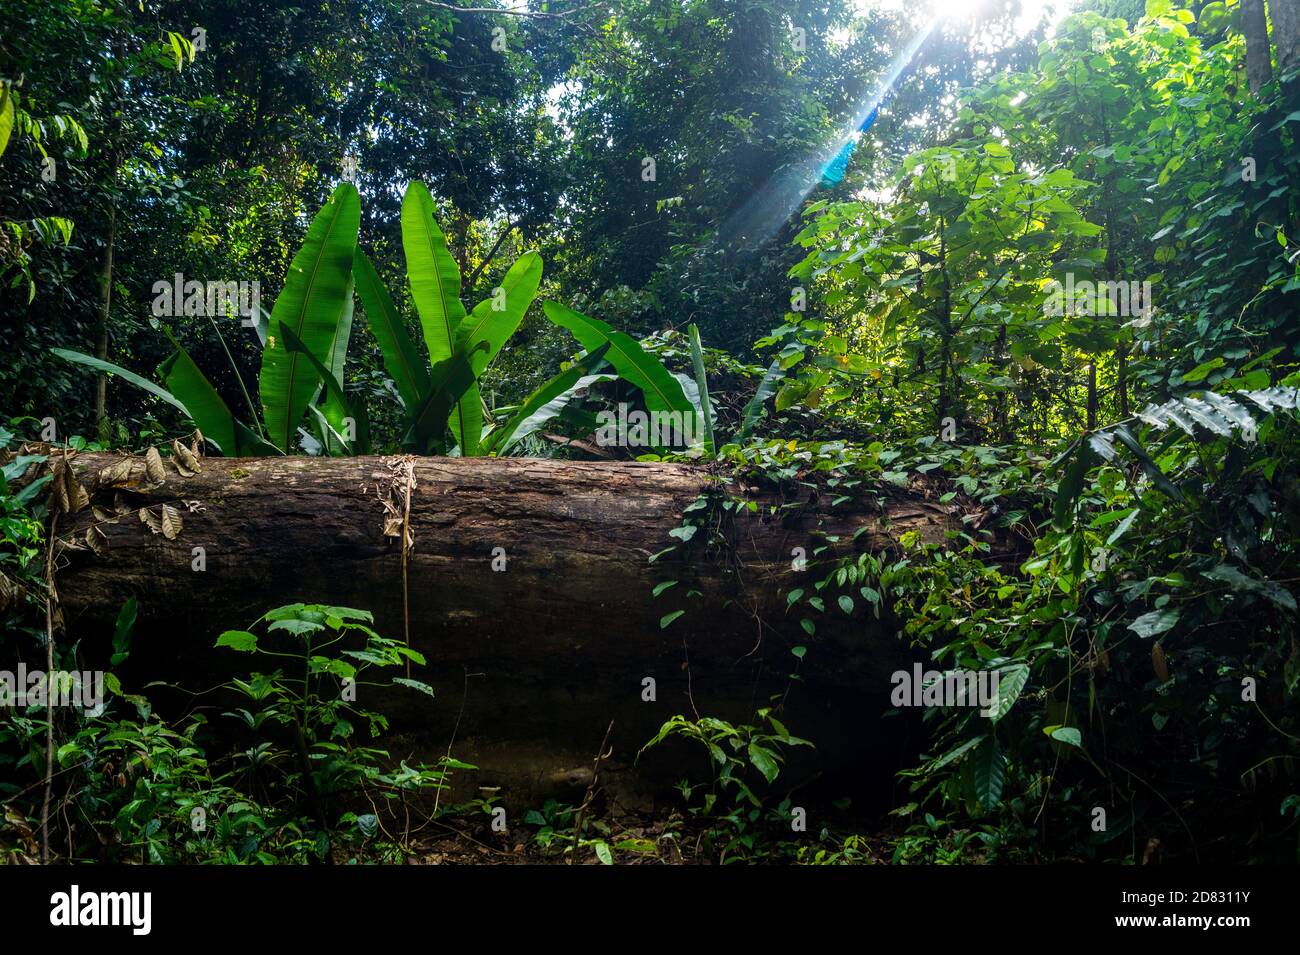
{"points": [[764, 213]]}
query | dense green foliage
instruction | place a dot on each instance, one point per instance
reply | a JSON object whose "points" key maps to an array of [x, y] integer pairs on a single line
{"points": [[1055, 289]]}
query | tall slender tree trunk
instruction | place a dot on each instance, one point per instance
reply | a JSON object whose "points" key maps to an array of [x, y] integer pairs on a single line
{"points": [[1003, 402], [105, 300], [1092, 395], [1121, 380], [947, 331], [1259, 63], [1286, 33]]}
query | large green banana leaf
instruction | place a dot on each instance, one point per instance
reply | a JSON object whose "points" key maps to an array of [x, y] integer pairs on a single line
{"points": [[317, 292], [336, 407], [201, 403], [6, 116], [495, 326], [754, 410], [549, 400], [207, 409], [435, 287], [633, 363], [491, 324], [409, 371], [702, 382], [111, 369], [451, 379]]}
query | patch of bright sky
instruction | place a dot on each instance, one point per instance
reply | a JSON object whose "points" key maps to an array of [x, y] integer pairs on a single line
{"points": [[954, 11]]}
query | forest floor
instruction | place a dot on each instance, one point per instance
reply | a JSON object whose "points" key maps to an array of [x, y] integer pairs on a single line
{"points": [[674, 841]]}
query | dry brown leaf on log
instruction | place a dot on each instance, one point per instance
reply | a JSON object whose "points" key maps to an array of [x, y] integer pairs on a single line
{"points": [[8, 592], [153, 466], [167, 522], [117, 474], [185, 461], [97, 540], [150, 520], [171, 522], [104, 515], [67, 496]]}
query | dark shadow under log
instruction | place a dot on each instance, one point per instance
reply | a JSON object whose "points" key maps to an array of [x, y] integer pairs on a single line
{"points": [[558, 643]]}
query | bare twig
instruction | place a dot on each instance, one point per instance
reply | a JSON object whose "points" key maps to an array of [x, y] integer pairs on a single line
{"points": [[49, 670], [406, 550], [602, 754], [464, 695], [469, 283]]}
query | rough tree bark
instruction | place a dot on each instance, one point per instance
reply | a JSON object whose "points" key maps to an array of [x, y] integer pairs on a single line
{"points": [[559, 642], [1259, 58], [1286, 33]]}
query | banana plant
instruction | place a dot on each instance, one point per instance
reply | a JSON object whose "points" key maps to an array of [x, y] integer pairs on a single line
{"points": [[448, 329], [753, 409], [312, 318], [306, 335], [302, 356]]}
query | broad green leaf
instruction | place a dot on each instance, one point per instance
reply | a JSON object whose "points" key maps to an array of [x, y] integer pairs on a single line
{"points": [[332, 408], [492, 325], [342, 335], [109, 368], [1067, 492], [252, 445], [754, 409], [409, 371], [6, 116], [435, 287], [1065, 734], [633, 363], [549, 400], [668, 618], [19, 466], [1011, 682], [1123, 527], [990, 773], [122, 631], [451, 379], [28, 493], [702, 382], [1156, 622], [762, 760], [414, 685], [1149, 467], [317, 291], [955, 753], [240, 640], [206, 408], [334, 388], [1200, 372]]}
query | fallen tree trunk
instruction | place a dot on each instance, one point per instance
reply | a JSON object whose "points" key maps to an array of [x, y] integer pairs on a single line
{"points": [[528, 586]]}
